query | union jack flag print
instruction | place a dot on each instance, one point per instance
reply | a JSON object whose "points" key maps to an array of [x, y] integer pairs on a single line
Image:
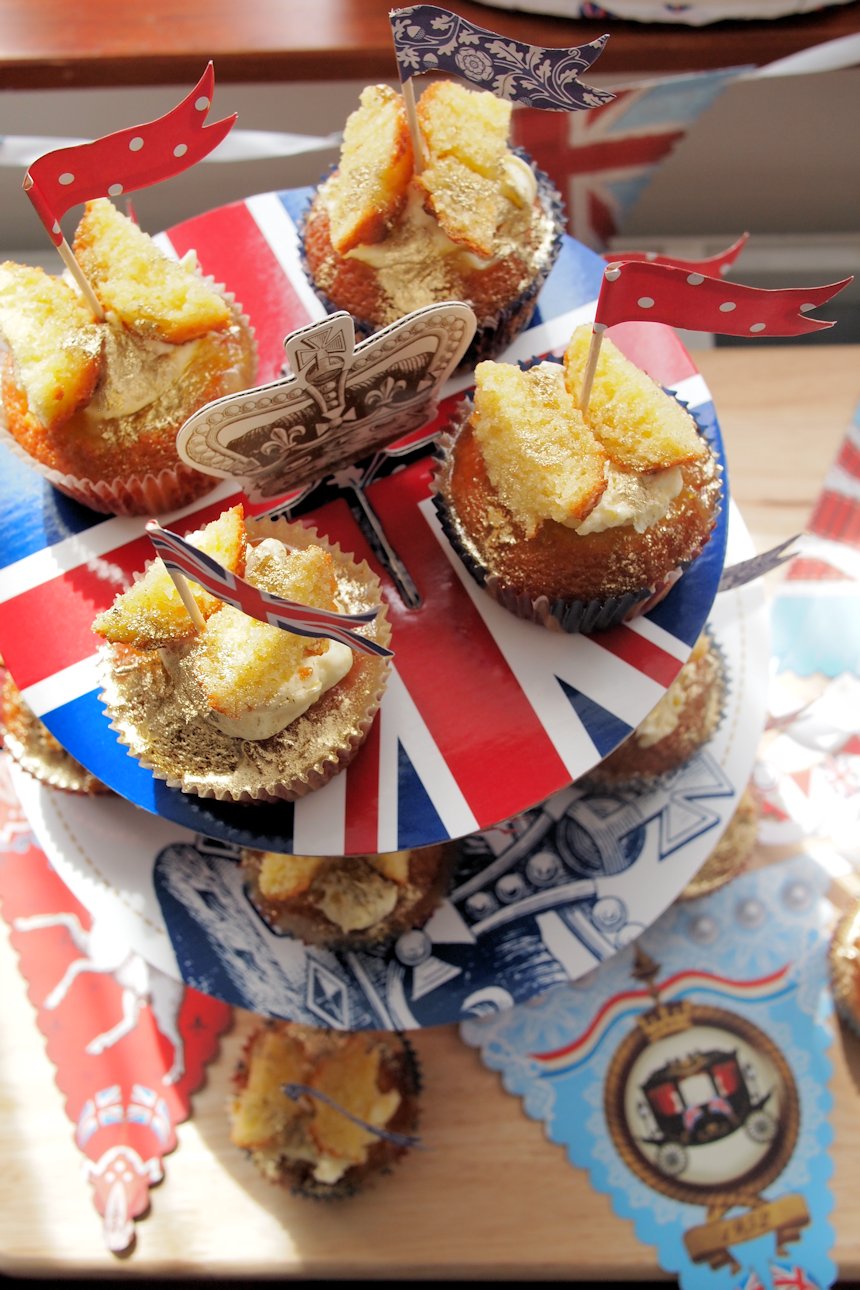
{"points": [[602, 160], [788, 1276], [483, 714], [185, 559]]}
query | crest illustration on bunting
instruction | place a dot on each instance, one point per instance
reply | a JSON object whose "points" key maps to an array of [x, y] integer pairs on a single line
{"points": [[341, 402]]}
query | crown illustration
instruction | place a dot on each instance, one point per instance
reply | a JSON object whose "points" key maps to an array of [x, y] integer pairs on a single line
{"points": [[341, 402], [666, 1019]]}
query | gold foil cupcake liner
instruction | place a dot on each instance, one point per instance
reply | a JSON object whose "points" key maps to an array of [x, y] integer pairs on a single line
{"points": [[153, 493], [29, 742], [189, 753], [732, 854], [844, 958]]}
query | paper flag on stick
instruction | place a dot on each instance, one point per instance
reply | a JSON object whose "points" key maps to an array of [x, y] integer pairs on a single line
{"points": [[638, 291], [714, 264], [303, 620], [737, 575], [429, 39], [127, 160]]}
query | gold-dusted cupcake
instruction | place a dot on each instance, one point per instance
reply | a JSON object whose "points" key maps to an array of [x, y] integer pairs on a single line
{"points": [[576, 520], [732, 853], [845, 967], [242, 710], [473, 221], [95, 405], [315, 1142], [29, 741], [348, 902], [683, 720]]}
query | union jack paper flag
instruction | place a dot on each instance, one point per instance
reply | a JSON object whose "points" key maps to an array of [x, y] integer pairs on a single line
{"points": [[303, 620], [636, 290], [127, 160], [601, 161], [788, 1276], [429, 39]]}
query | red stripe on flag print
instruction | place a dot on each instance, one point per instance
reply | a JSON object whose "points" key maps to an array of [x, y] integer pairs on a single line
{"points": [[640, 653], [458, 677], [232, 249], [848, 458], [836, 517], [802, 569], [68, 604]]}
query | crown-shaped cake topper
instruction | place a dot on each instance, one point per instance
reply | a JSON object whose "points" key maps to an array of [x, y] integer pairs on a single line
{"points": [[341, 402]]}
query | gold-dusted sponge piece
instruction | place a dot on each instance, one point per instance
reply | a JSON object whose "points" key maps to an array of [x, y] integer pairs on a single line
{"points": [[540, 453], [641, 426], [147, 291], [150, 614], [375, 169], [55, 344]]}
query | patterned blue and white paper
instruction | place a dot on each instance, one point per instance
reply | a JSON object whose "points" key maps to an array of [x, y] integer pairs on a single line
{"points": [[762, 943]]}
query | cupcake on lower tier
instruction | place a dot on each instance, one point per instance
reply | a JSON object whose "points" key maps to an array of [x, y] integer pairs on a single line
{"points": [[29, 741], [576, 520], [94, 405], [242, 710], [845, 967], [732, 853], [348, 902], [684, 719], [313, 1139], [470, 220]]}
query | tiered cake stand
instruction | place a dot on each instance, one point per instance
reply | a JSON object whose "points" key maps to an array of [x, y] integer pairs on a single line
{"points": [[486, 730]]}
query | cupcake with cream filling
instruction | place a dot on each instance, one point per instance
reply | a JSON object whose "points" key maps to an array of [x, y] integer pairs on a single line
{"points": [[95, 405], [348, 902], [243, 710], [317, 1143], [470, 221], [576, 520]]}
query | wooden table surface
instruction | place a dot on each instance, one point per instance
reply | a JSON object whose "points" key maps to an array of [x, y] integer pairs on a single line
{"points": [[490, 1196], [50, 44]]}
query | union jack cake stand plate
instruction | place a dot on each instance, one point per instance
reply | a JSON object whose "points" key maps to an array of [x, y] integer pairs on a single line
{"points": [[484, 716]]}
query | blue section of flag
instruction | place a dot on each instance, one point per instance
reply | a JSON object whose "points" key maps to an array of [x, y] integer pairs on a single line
{"points": [[604, 729], [675, 101], [417, 817], [816, 633], [42, 516]]}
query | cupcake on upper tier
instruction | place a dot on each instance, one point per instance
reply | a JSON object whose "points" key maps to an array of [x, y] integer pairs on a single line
{"points": [[95, 405], [576, 519], [471, 220]]}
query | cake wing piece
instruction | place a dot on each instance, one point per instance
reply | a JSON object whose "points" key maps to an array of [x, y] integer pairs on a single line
{"points": [[342, 402]]}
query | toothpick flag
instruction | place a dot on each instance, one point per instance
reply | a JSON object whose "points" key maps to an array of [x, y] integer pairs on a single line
{"points": [[186, 561], [429, 39], [127, 160], [638, 291], [714, 264]]}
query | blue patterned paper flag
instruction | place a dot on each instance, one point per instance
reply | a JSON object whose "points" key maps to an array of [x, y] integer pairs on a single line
{"points": [[429, 39]]}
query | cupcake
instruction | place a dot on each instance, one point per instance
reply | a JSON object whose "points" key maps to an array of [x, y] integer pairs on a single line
{"points": [[30, 743], [471, 220], [242, 710], [577, 521], [683, 721], [845, 967], [95, 406], [732, 853], [347, 902], [315, 1141]]}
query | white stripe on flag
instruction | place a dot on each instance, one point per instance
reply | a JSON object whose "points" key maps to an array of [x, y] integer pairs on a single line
{"points": [[621, 689], [693, 391], [84, 548], [658, 636], [280, 232], [61, 688], [839, 480], [318, 820], [836, 554]]}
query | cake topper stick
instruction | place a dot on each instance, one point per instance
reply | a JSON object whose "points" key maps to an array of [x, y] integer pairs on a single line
{"points": [[179, 582], [643, 291], [122, 163], [429, 39]]}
